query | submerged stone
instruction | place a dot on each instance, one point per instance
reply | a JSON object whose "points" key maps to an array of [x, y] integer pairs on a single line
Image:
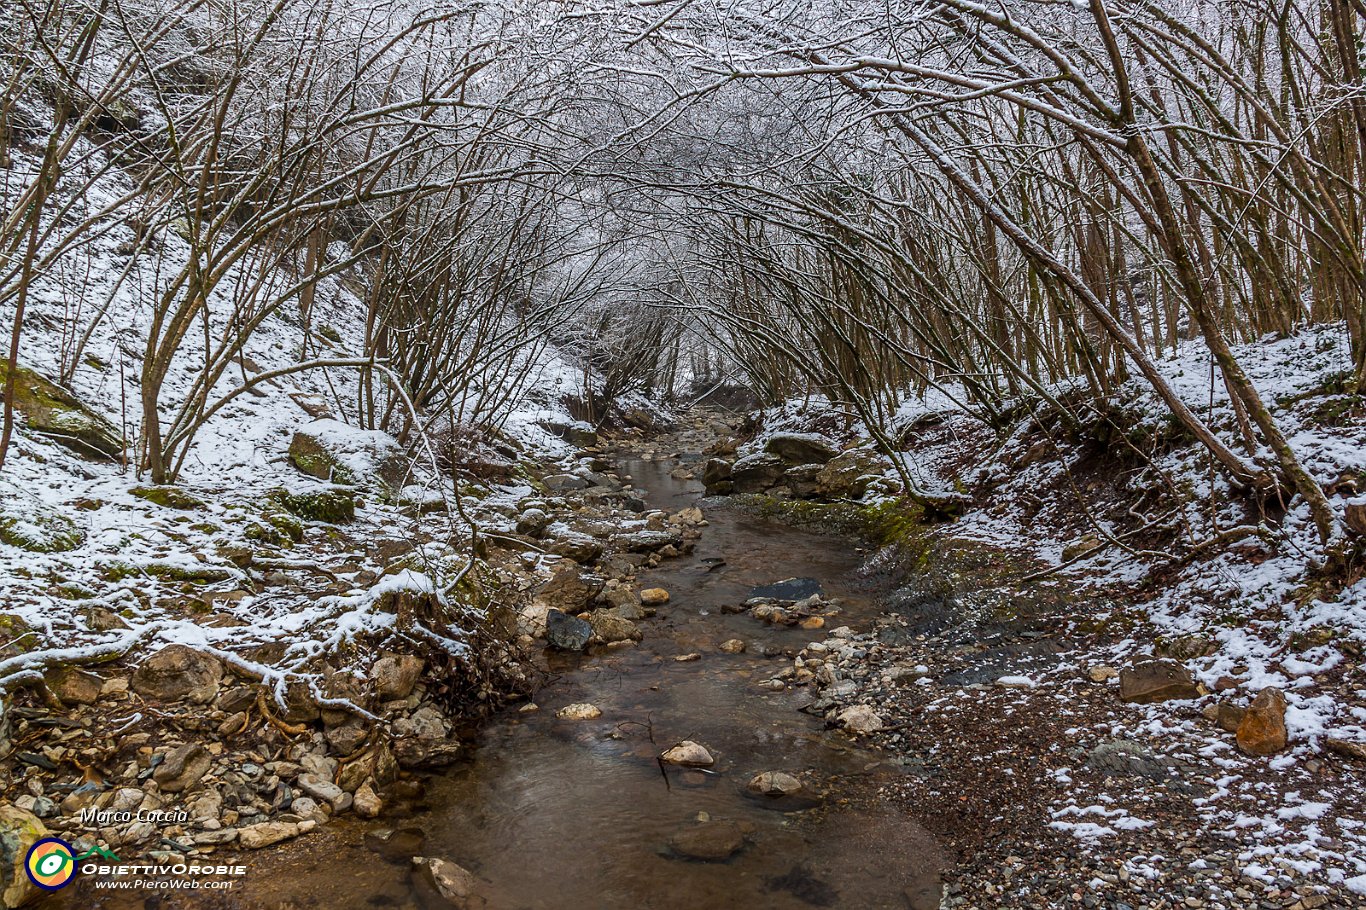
{"points": [[789, 589]]}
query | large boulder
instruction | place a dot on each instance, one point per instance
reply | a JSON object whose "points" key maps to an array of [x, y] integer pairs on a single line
{"points": [[801, 480], [801, 448], [1152, 681], [574, 432], [51, 410], [716, 477], [849, 474], [337, 452], [328, 504], [19, 830], [30, 525], [178, 672], [756, 473]]}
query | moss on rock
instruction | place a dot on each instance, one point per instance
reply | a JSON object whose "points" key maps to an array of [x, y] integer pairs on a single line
{"points": [[30, 525], [169, 497], [329, 505], [51, 410]]}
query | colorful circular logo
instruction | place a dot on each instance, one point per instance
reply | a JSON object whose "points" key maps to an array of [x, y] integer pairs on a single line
{"points": [[51, 863]]}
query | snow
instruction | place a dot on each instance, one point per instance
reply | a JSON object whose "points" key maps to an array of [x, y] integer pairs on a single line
{"points": [[134, 550]]}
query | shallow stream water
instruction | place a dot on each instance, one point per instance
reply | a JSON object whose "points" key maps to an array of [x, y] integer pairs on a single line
{"points": [[561, 815]]}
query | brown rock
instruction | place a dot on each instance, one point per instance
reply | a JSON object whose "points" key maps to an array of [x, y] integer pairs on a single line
{"points": [[254, 837], [367, 802], [441, 883], [1153, 681], [654, 597], [609, 626], [568, 590], [1356, 516], [709, 842], [1229, 716], [1346, 748], [74, 686], [182, 768], [178, 672], [1262, 731], [395, 676]]}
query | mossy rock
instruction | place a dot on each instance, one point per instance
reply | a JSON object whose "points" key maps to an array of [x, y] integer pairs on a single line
{"points": [[19, 831], [51, 410], [334, 451], [1313, 637], [170, 497], [330, 505], [72, 591], [18, 637], [117, 570], [277, 529], [30, 525]]}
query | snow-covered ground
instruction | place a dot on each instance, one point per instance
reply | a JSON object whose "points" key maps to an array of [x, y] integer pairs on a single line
{"points": [[147, 572]]}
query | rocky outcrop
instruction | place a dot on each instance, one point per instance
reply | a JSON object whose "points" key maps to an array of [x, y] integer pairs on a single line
{"points": [[801, 448], [756, 473], [339, 453], [849, 475], [330, 504], [576, 433], [53, 411], [716, 477]]}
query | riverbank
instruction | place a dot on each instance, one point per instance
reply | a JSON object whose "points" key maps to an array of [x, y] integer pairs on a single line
{"points": [[1118, 682], [278, 681], [950, 706]]}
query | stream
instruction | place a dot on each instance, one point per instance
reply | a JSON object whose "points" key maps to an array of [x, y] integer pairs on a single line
{"points": [[561, 815]]}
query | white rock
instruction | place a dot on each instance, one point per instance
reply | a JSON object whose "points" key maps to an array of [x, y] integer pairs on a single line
{"points": [[860, 719], [689, 754], [775, 783], [253, 837], [321, 789], [581, 711], [1015, 682]]}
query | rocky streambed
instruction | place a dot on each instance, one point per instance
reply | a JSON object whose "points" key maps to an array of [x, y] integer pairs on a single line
{"points": [[738, 701]]}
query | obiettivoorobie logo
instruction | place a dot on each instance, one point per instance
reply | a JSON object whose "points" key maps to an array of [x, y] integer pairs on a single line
{"points": [[51, 862]]}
